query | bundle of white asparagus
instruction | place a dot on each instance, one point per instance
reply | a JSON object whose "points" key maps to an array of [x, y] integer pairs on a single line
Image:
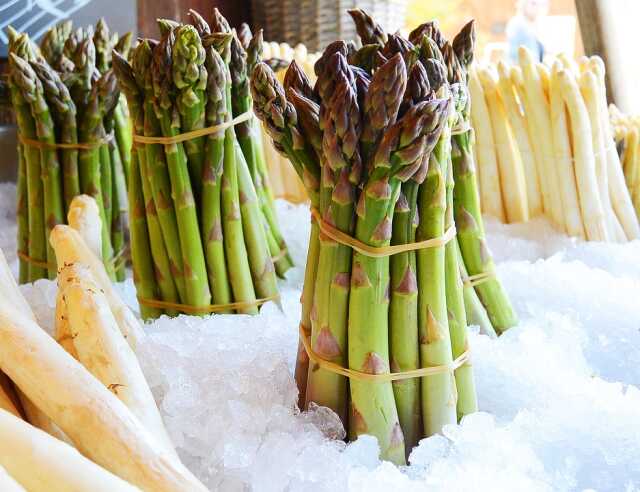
{"points": [[285, 183], [79, 414], [545, 146], [626, 131]]}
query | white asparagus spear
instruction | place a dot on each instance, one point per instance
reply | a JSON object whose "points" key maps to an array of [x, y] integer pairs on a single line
{"points": [[84, 217], [561, 149], [593, 217], [100, 425], [490, 193], [39, 461], [537, 111], [514, 192], [568, 63], [101, 348], [589, 89], [62, 330], [70, 248], [619, 193], [10, 291], [519, 128], [545, 77], [8, 483]]}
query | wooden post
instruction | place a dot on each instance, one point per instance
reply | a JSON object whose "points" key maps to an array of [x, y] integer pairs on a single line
{"points": [[609, 30]]}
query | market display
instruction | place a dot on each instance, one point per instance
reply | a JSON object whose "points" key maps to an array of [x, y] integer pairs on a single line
{"points": [[383, 145], [74, 138], [204, 233], [576, 180]]}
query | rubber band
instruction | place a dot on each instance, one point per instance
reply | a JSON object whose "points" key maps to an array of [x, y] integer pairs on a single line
{"points": [[477, 279], [68, 146], [211, 308], [201, 132], [380, 378], [33, 261], [381, 252], [117, 261]]}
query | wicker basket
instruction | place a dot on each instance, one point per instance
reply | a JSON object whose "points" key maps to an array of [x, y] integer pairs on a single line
{"points": [[316, 23]]}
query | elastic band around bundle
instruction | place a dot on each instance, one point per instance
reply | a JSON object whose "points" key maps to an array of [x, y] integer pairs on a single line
{"points": [[33, 261], [212, 308], [37, 144], [373, 252], [380, 378], [116, 262], [478, 279], [201, 132]]}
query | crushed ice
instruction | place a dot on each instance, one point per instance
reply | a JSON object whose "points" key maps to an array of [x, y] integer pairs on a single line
{"points": [[559, 393]]}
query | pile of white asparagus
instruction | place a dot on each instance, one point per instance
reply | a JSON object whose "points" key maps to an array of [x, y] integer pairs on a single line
{"points": [[284, 180], [626, 131], [544, 145], [76, 412]]}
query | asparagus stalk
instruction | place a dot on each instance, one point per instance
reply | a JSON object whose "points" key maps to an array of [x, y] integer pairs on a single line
{"points": [[261, 173], [398, 157], [63, 111], [190, 78], [438, 391], [281, 120], [465, 385], [91, 130], [35, 207], [233, 235], [468, 219], [216, 113], [52, 44], [22, 214], [331, 295], [151, 265], [155, 168], [104, 43], [368, 30], [27, 81], [197, 291]]}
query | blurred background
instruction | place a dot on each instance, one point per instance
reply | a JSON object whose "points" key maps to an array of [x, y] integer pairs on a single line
{"points": [[575, 27]]}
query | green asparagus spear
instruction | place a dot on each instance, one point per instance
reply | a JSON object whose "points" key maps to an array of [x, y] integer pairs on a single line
{"points": [[197, 291], [26, 79], [63, 111]]}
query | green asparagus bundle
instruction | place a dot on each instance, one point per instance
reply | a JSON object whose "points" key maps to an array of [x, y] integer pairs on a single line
{"points": [[386, 300], [205, 237], [67, 105]]}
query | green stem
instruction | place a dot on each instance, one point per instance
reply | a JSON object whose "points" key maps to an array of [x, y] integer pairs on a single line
{"points": [[144, 274], [403, 317], [373, 407], [197, 291], [465, 384], [212, 221], [234, 243], [158, 175], [471, 237], [22, 214], [438, 391]]}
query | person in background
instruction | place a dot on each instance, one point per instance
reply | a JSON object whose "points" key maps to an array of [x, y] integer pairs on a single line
{"points": [[522, 28]]}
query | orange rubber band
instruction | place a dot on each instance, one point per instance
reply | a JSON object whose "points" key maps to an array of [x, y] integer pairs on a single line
{"points": [[380, 378], [212, 308], [201, 132], [384, 251], [33, 261], [477, 279]]}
